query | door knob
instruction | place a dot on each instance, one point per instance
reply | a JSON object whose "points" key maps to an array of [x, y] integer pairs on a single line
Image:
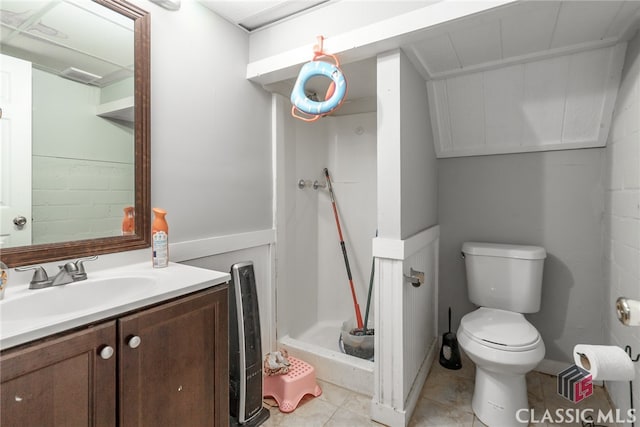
{"points": [[106, 352], [134, 341], [20, 221]]}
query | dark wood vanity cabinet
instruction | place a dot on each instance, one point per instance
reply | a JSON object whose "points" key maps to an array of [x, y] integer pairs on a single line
{"points": [[61, 382], [169, 367], [173, 364]]}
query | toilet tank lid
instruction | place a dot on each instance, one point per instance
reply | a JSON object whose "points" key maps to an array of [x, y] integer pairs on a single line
{"points": [[504, 250]]}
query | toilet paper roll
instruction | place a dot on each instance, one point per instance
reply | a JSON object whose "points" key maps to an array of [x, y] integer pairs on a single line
{"points": [[604, 362], [628, 311]]}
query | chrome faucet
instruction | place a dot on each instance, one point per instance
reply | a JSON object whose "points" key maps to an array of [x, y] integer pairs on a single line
{"points": [[65, 274], [68, 273]]}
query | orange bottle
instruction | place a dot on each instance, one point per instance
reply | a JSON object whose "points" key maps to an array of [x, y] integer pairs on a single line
{"points": [[128, 222], [160, 239]]}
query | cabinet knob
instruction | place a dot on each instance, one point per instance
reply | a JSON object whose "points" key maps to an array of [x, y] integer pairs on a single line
{"points": [[134, 341], [106, 352]]}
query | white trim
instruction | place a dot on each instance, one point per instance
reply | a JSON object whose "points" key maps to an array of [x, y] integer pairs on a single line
{"points": [[401, 249], [387, 415], [184, 251], [421, 378]]}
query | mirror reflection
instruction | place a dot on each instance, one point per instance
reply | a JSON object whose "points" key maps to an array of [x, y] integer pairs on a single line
{"points": [[67, 126]]}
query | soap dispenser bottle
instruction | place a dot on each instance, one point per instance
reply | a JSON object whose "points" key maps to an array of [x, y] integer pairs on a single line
{"points": [[160, 239], [128, 222]]}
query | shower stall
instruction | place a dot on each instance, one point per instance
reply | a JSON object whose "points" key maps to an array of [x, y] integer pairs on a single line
{"points": [[312, 289], [380, 154]]}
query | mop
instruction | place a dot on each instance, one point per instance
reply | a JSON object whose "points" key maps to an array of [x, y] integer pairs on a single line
{"points": [[344, 251]]}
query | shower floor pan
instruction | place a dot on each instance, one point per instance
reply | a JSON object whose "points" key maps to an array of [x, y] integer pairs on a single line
{"points": [[318, 346]]}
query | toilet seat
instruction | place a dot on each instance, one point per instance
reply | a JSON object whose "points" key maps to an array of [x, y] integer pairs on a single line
{"points": [[500, 329]]}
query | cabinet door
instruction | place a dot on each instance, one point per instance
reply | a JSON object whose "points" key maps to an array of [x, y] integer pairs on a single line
{"points": [[61, 382], [174, 363]]}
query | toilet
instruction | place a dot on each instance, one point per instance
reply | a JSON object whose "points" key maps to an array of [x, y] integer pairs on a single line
{"points": [[504, 281]]}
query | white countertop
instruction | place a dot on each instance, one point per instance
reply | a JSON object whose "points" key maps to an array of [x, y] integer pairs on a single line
{"points": [[27, 314]]}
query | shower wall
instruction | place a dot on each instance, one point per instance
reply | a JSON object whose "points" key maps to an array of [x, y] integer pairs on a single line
{"points": [[312, 285]]}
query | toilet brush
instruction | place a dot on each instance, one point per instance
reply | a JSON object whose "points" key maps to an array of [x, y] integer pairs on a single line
{"points": [[450, 352]]}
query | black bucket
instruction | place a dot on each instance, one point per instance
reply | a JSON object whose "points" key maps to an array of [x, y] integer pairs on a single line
{"points": [[450, 352]]}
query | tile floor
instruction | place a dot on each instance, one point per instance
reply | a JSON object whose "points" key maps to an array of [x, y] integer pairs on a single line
{"points": [[445, 401]]}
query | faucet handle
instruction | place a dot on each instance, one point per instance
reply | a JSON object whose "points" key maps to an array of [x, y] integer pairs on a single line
{"points": [[40, 278], [69, 267], [80, 273]]}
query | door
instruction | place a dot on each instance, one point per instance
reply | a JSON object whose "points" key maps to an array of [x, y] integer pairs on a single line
{"points": [[174, 363], [67, 381], [15, 152]]}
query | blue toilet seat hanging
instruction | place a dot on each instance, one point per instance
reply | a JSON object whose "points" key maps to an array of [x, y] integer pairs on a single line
{"points": [[313, 110]]}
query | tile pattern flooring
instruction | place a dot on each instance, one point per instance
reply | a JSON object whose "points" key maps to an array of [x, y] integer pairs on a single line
{"points": [[445, 401]]}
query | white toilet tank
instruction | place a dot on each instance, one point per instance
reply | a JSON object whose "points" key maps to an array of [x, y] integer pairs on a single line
{"points": [[508, 277]]}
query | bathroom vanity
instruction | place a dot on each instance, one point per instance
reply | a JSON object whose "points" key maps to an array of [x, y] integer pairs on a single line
{"points": [[163, 362]]}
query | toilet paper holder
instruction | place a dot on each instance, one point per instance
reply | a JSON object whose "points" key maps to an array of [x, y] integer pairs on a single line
{"points": [[415, 277], [627, 348]]}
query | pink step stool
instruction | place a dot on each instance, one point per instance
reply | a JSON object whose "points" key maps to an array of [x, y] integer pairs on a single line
{"points": [[290, 388]]}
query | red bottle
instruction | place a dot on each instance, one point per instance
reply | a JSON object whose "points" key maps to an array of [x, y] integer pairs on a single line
{"points": [[128, 222]]}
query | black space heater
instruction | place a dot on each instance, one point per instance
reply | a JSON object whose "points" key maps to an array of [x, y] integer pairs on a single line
{"points": [[245, 349]]}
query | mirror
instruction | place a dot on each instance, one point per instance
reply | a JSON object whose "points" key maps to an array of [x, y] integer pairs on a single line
{"points": [[88, 140]]}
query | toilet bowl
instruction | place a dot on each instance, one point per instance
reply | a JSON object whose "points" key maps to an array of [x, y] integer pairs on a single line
{"points": [[504, 346]]}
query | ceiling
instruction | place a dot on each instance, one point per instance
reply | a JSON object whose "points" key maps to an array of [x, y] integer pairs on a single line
{"points": [[58, 35], [254, 14], [515, 33], [519, 31]]}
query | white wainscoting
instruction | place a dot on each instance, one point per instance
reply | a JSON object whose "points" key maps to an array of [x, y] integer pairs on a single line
{"points": [[406, 324]]}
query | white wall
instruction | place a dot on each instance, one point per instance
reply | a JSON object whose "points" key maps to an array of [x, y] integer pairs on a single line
{"points": [[351, 160], [312, 281], [210, 127], [407, 179], [262, 267], [304, 152], [211, 146], [550, 199], [407, 208], [622, 216]]}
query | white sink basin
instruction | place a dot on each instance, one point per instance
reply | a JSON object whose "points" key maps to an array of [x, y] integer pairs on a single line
{"points": [[74, 298], [29, 314]]}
